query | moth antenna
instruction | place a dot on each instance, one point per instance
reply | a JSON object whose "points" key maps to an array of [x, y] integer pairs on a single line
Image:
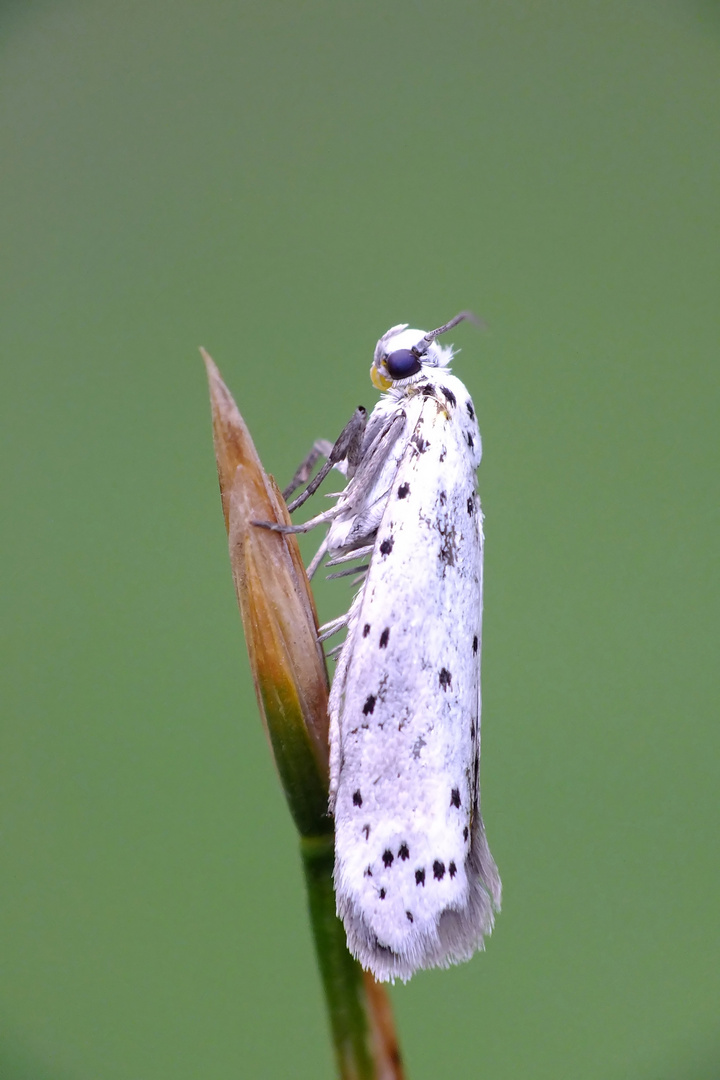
{"points": [[424, 343]]}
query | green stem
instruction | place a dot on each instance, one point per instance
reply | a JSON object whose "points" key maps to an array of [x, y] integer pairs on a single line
{"points": [[342, 976]]}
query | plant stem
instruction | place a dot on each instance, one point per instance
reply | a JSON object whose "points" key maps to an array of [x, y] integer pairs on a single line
{"points": [[359, 1009]]}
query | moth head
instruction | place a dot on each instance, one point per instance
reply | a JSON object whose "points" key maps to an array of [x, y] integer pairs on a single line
{"points": [[401, 353]]}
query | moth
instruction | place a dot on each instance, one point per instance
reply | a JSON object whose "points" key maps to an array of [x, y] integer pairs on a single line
{"points": [[416, 885]]}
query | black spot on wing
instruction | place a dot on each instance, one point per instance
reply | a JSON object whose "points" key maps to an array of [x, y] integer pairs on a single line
{"points": [[357, 798], [386, 546], [449, 396], [471, 504], [409, 916], [420, 444], [366, 629], [455, 797], [388, 857], [475, 644], [419, 877], [466, 833], [382, 894], [403, 491], [404, 852], [452, 869], [385, 637], [470, 440], [438, 870], [471, 411], [445, 679], [366, 830], [447, 550], [369, 705]]}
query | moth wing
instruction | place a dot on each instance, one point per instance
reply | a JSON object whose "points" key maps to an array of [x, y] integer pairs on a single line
{"points": [[415, 881]]}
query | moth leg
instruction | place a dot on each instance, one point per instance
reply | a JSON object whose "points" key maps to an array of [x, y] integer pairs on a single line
{"points": [[347, 447], [320, 519], [374, 458], [329, 629], [320, 448], [318, 558]]}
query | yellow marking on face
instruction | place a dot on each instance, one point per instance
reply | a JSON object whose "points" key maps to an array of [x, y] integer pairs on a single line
{"points": [[379, 381]]}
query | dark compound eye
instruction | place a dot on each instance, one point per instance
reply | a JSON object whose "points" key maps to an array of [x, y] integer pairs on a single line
{"points": [[402, 363]]}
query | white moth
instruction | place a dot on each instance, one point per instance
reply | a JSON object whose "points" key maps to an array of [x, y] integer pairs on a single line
{"points": [[415, 882]]}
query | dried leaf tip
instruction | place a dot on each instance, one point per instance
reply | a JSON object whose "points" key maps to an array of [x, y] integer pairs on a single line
{"points": [[278, 614]]}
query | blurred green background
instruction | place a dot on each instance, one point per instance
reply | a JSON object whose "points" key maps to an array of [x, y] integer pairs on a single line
{"points": [[280, 182]]}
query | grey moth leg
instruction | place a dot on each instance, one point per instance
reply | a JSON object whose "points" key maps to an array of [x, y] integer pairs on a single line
{"points": [[347, 447], [320, 448]]}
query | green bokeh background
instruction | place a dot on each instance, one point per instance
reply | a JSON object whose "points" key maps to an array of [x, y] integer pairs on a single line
{"points": [[280, 182]]}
